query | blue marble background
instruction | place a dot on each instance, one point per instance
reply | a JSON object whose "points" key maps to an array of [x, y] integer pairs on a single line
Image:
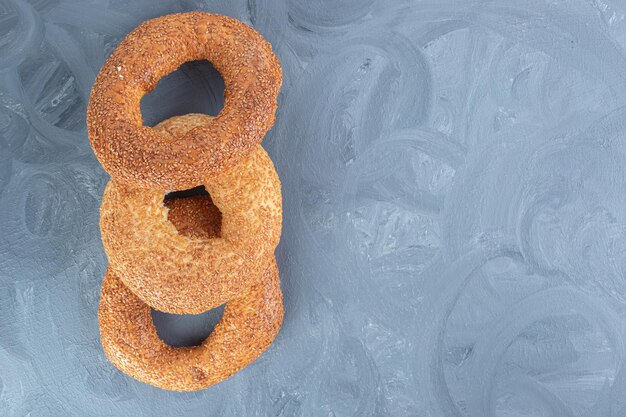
{"points": [[454, 182]]}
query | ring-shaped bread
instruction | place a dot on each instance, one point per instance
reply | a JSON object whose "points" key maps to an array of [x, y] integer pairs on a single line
{"points": [[189, 275], [133, 153]]}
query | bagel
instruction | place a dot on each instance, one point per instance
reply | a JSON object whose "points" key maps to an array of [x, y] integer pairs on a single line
{"points": [[136, 154], [179, 274]]}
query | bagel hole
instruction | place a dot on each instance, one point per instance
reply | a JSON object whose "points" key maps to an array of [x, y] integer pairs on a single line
{"points": [[193, 213], [179, 330], [195, 87]]}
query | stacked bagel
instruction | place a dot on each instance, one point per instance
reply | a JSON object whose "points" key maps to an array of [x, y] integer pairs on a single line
{"points": [[187, 256]]}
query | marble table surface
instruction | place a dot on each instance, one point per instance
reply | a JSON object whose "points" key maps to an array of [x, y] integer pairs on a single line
{"points": [[454, 185]]}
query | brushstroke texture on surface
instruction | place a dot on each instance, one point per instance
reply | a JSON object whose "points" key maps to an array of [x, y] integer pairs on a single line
{"points": [[454, 182]]}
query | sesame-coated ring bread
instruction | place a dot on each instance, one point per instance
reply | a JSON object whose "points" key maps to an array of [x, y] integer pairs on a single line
{"points": [[133, 153], [180, 274]]}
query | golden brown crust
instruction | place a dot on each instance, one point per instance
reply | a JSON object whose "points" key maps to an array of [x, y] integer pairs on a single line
{"points": [[133, 153], [189, 275], [248, 326]]}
